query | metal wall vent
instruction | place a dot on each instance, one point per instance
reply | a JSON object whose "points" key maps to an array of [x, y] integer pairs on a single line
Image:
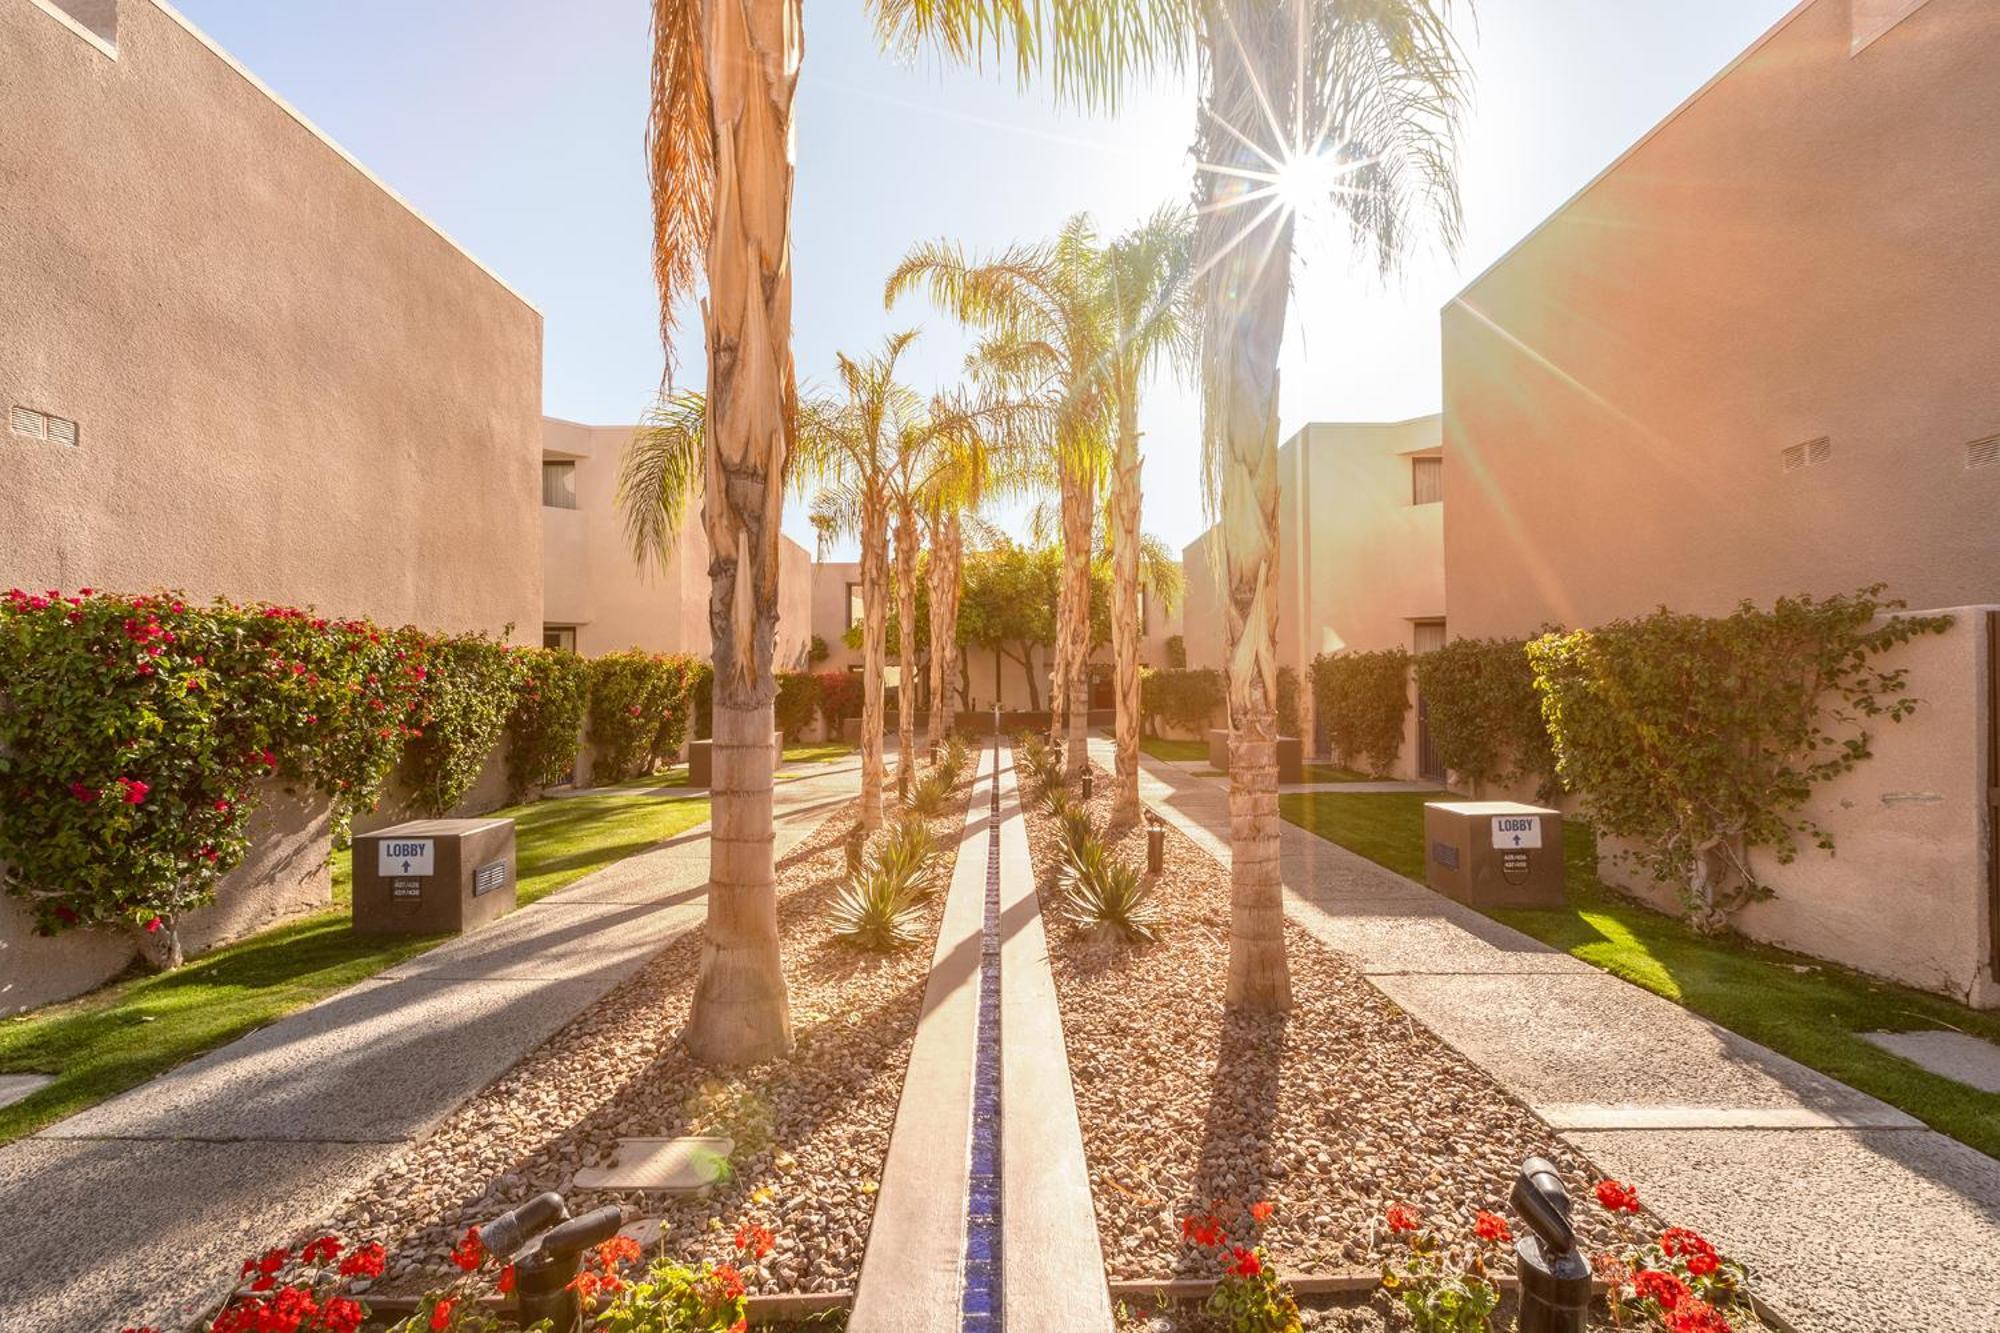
{"points": [[27, 421], [62, 431], [1983, 453], [1806, 455]]}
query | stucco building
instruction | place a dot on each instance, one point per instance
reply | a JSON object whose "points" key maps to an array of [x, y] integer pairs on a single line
{"points": [[597, 599], [1756, 357], [1361, 521]]}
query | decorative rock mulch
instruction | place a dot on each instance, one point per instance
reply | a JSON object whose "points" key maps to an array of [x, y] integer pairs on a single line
{"points": [[1331, 1113], [811, 1131]]}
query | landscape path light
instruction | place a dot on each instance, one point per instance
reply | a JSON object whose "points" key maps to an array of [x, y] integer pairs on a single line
{"points": [[1555, 1280]]}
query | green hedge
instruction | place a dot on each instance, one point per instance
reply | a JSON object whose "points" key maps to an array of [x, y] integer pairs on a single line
{"points": [[546, 728], [1187, 698], [1702, 738], [461, 713], [1484, 712], [640, 705], [1361, 700], [797, 702], [839, 698], [1288, 701]]}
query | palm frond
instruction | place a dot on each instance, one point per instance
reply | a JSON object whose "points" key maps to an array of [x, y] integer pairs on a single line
{"points": [[660, 475], [680, 154]]}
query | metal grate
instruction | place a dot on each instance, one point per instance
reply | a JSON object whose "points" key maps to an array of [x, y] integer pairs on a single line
{"points": [[1426, 481], [1983, 453], [27, 421], [1807, 454], [62, 431]]}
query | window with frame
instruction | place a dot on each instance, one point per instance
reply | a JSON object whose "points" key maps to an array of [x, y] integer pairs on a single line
{"points": [[558, 483], [559, 636], [855, 611], [1427, 480]]}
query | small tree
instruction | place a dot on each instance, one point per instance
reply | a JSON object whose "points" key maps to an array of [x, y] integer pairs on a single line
{"points": [[1702, 738]]}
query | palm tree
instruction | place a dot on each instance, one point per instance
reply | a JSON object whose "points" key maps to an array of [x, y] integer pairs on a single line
{"points": [[1147, 292], [1046, 339], [1356, 102]]}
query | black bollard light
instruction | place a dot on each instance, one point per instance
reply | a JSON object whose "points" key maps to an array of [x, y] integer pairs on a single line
{"points": [[1156, 846], [1086, 784], [1555, 1280]]}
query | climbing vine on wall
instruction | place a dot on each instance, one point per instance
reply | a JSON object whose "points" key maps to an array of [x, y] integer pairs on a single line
{"points": [[1702, 738], [1485, 716], [1361, 700]]}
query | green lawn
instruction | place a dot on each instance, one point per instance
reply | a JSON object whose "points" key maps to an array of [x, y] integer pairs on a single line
{"points": [[126, 1032], [818, 752], [1178, 752], [1311, 772], [1812, 1011]]}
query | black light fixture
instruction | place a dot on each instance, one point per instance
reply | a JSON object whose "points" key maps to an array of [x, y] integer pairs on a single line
{"points": [[1555, 1280]]}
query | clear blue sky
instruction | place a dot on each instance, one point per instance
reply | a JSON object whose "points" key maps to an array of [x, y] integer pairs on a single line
{"points": [[517, 126]]}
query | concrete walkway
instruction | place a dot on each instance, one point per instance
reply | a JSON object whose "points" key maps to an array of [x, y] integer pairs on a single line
{"points": [[1852, 1216], [139, 1210], [1052, 1269]]}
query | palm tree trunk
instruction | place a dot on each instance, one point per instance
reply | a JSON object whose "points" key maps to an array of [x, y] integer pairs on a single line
{"points": [[1078, 511], [1245, 302], [741, 1013], [1125, 607], [906, 647], [953, 547], [935, 735], [874, 647], [1059, 651]]}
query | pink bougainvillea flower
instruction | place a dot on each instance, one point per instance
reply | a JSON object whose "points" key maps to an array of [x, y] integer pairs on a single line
{"points": [[153, 926], [83, 793], [135, 790]]}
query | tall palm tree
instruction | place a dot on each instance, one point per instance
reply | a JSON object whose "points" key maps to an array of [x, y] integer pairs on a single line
{"points": [[1355, 103], [1149, 297], [1045, 340], [719, 144]]}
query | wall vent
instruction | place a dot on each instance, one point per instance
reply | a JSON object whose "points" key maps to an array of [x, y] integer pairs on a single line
{"points": [[27, 421], [1808, 454], [1983, 453]]}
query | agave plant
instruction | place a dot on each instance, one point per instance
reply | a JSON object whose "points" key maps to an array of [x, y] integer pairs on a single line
{"points": [[1102, 895], [957, 754], [906, 855], [1056, 795], [928, 797], [1073, 828], [875, 910]]}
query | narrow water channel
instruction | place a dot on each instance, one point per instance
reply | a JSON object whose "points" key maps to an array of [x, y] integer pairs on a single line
{"points": [[981, 1304]]}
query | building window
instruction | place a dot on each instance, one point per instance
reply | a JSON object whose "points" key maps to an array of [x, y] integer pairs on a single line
{"points": [[559, 636], [1427, 635], [558, 483], [1145, 625], [855, 611], [1427, 480]]}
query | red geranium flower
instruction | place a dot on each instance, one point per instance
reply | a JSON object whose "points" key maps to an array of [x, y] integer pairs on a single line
{"points": [[1682, 1243], [1617, 1197], [1247, 1263], [1491, 1227], [1261, 1211], [506, 1282], [1697, 1316], [441, 1316], [321, 1251], [1663, 1289], [468, 1254], [366, 1262], [754, 1240], [1402, 1218]]}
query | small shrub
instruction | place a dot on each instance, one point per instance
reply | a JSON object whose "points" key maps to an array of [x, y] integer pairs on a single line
{"points": [[1101, 894], [1485, 716], [1361, 699], [545, 730], [1073, 828], [1675, 1281], [907, 852], [1288, 701], [1445, 1286], [931, 793], [1249, 1296], [639, 710], [957, 756], [1176, 651], [875, 910], [839, 698]]}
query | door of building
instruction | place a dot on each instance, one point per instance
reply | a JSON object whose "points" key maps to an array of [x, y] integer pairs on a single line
{"points": [[1427, 637]]}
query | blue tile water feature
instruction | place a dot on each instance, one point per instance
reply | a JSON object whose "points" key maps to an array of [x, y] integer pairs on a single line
{"points": [[980, 1308]]}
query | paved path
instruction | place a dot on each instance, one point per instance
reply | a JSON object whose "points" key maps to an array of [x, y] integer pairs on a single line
{"points": [[913, 1276], [135, 1211], [1852, 1215]]}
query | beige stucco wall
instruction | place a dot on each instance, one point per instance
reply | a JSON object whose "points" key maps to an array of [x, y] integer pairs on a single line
{"points": [[1358, 561], [1905, 893], [287, 385], [592, 584], [1809, 248]]}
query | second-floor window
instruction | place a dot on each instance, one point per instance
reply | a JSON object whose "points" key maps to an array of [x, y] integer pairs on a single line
{"points": [[558, 483], [1426, 481], [854, 610]]}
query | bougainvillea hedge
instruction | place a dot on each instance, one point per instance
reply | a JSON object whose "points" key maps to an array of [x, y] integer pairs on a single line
{"points": [[640, 705], [134, 731]]}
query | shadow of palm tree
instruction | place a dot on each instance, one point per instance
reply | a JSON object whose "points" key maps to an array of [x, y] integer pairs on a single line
{"points": [[1234, 1167]]}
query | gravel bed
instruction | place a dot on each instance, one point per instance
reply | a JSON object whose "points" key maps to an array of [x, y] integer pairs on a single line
{"points": [[1332, 1112], [811, 1131]]}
